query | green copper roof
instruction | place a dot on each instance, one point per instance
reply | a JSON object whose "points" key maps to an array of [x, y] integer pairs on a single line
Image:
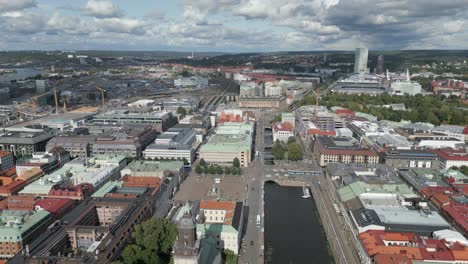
{"points": [[17, 225], [355, 189]]}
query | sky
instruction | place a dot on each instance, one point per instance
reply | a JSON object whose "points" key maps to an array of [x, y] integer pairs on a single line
{"points": [[233, 25]]}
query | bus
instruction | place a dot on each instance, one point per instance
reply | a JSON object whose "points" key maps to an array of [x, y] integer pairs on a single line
{"points": [[258, 221]]}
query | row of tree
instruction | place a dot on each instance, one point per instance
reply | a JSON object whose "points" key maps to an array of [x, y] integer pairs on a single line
{"points": [[202, 167], [290, 150], [182, 111], [463, 169], [432, 109]]}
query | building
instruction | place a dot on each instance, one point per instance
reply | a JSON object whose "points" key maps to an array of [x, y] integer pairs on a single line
{"points": [[353, 180], [46, 161], [248, 89], [160, 120], [26, 140], [288, 118], [457, 132], [380, 64], [7, 160], [191, 82], [376, 246], [402, 216], [77, 146], [172, 104], [163, 177], [41, 86], [57, 207], [273, 89], [96, 231], [360, 60], [77, 178], [129, 140], [175, 143], [18, 229], [282, 131], [411, 158], [262, 102], [230, 141], [361, 83], [221, 220], [406, 87], [342, 150], [452, 157]]}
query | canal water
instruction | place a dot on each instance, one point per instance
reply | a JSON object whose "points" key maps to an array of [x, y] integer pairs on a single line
{"points": [[20, 74], [293, 234]]}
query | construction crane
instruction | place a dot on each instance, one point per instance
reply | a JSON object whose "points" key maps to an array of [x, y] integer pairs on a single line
{"points": [[102, 96], [34, 101], [56, 101]]}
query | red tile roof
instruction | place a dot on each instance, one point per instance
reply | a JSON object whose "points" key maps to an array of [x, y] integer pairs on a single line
{"points": [[379, 242], [12, 188], [4, 153], [55, 205], [452, 154], [283, 127], [227, 206]]}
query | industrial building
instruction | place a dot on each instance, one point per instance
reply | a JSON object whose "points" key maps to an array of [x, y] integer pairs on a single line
{"points": [[411, 158], [26, 140], [175, 143], [160, 120], [262, 102], [231, 140]]}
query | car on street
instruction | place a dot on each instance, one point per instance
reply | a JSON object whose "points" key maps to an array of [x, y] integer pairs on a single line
{"points": [[251, 243]]}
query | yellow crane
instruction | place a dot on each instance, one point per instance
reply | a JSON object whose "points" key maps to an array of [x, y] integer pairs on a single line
{"points": [[34, 101]]}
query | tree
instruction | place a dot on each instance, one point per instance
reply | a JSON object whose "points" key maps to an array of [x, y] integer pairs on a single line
{"points": [[229, 256], [236, 163], [198, 169], [291, 140], [234, 171], [295, 152], [185, 161], [212, 169], [227, 170], [153, 240], [278, 150], [190, 112], [464, 169], [181, 111], [202, 163], [219, 170]]}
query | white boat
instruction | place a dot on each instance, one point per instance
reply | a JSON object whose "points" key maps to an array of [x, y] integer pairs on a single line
{"points": [[306, 192]]}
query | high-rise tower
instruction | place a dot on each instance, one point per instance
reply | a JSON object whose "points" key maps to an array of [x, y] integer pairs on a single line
{"points": [[360, 60], [380, 64]]}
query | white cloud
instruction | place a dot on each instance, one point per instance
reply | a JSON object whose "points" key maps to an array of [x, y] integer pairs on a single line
{"points": [[120, 25], [102, 9], [15, 5]]}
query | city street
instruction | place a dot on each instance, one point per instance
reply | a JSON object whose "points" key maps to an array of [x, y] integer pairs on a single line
{"points": [[254, 176]]}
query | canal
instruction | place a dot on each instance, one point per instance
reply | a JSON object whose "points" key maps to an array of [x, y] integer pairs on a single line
{"points": [[293, 234]]}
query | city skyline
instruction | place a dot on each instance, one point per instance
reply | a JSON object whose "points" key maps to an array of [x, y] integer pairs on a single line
{"points": [[232, 25]]}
